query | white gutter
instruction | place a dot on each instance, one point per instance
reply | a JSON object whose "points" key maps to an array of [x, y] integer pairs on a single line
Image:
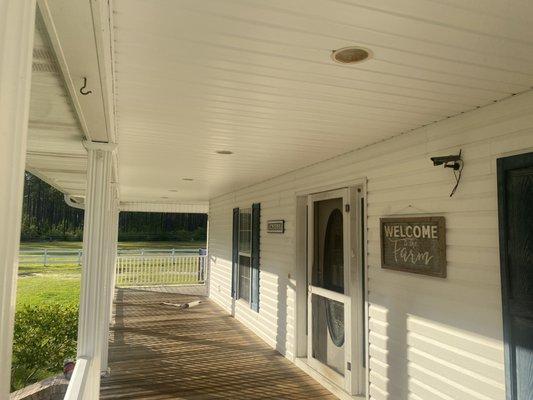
{"points": [[193, 208], [73, 203]]}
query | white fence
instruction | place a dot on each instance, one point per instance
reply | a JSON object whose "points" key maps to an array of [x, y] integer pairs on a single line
{"points": [[47, 257], [50, 257], [142, 270]]}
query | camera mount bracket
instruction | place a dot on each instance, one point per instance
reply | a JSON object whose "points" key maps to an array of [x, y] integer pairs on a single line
{"points": [[452, 161]]}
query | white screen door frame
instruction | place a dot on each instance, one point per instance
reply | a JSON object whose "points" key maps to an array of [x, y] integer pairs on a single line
{"points": [[352, 298]]}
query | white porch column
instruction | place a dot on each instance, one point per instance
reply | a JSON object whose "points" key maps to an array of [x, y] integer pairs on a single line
{"points": [[114, 255], [17, 20], [96, 243], [110, 284], [114, 231]]}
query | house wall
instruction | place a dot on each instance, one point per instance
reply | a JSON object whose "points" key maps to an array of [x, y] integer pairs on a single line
{"points": [[430, 338]]}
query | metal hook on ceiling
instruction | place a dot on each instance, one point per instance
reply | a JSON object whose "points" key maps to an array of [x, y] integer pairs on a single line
{"points": [[82, 89]]}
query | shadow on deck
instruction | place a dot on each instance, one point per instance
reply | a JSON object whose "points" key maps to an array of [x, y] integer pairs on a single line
{"points": [[161, 352]]}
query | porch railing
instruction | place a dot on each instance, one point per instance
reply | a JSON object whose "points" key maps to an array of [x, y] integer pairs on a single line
{"points": [[160, 270], [76, 385]]}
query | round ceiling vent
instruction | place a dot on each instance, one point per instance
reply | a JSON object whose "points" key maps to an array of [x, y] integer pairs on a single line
{"points": [[350, 55]]}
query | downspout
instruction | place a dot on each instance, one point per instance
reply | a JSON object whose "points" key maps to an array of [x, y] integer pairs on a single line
{"points": [[73, 203]]}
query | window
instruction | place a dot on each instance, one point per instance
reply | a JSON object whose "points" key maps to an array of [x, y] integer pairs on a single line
{"points": [[245, 254]]}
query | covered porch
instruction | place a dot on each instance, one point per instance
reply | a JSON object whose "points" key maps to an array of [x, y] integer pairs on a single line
{"points": [[158, 351], [271, 117]]}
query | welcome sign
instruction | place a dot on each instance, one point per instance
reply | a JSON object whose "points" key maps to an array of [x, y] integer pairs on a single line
{"points": [[414, 244]]}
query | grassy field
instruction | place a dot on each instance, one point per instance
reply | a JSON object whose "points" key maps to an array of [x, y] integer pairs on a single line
{"points": [[61, 288], [55, 284]]}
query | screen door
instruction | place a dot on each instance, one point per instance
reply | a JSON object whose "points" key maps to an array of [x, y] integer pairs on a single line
{"points": [[329, 324]]}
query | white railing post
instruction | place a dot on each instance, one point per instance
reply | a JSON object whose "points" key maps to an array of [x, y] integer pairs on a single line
{"points": [[17, 20], [99, 200], [78, 380]]}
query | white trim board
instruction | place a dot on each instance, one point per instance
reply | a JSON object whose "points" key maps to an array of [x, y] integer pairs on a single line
{"points": [[194, 208]]}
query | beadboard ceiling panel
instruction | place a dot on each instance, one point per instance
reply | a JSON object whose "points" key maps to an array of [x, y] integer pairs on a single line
{"points": [[55, 151], [256, 78]]}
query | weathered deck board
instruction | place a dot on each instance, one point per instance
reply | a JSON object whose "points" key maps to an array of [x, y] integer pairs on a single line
{"points": [[160, 352]]}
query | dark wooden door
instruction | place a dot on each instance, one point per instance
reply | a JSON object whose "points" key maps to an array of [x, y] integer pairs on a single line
{"points": [[515, 198]]}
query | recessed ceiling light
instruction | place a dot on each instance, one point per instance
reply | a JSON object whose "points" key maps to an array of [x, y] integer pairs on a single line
{"points": [[187, 179], [224, 152], [350, 55]]}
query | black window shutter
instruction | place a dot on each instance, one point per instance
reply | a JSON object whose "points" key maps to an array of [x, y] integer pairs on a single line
{"points": [[235, 254], [256, 233]]}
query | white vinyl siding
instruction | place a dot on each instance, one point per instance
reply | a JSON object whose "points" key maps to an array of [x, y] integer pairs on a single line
{"points": [[430, 338]]}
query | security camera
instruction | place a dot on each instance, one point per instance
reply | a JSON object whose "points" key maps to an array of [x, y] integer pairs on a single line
{"points": [[448, 161], [455, 162]]}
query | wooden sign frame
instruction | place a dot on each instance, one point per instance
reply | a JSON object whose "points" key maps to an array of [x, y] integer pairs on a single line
{"points": [[419, 251], [276, 226]]}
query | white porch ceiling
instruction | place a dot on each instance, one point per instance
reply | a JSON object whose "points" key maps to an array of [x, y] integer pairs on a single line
{"points": [[255, 77], [55, 151]]}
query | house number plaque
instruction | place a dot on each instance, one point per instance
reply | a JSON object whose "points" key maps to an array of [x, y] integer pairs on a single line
{"points": [[414, 244], [276, 226]]}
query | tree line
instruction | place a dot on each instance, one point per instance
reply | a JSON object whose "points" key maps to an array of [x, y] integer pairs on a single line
{"points": [[46, 216]]}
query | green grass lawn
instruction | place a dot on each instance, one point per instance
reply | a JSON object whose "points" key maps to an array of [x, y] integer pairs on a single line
{"points": [[50, 288], [54, 284]]}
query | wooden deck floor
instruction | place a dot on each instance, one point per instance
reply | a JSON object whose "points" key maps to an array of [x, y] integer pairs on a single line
{"points": [[160, 352]]}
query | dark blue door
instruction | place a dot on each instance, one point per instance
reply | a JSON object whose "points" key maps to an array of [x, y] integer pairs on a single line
{"points": [[515, 198]]}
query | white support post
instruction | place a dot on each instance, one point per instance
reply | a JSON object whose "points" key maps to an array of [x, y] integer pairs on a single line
{"points": [[17, 21], [114, 232], [207, 272], [99, 202], [110, 285]]}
